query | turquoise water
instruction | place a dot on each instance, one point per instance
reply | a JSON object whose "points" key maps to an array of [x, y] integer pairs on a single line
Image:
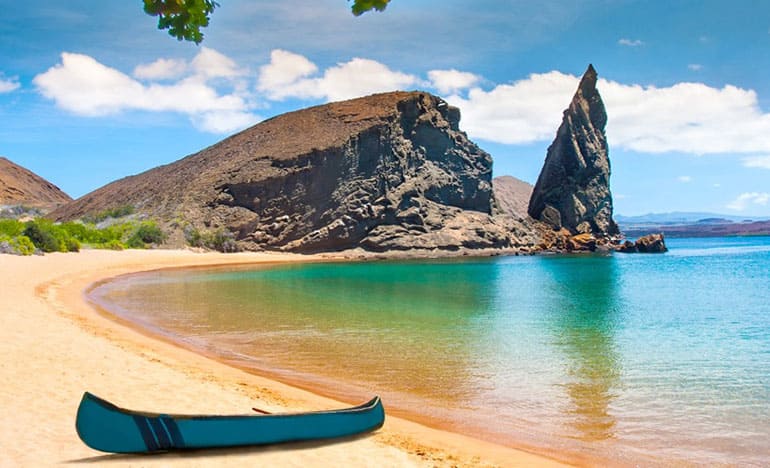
{"points": [[651, 359]]}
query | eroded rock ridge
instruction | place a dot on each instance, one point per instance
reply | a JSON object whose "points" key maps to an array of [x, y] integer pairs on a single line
{"points": [[573, 189]]}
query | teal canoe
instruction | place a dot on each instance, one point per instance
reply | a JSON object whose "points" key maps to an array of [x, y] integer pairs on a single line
{"points": [[108, 428]]}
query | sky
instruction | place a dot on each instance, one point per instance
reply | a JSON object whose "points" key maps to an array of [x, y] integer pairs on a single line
{"points": [[91, 92]]}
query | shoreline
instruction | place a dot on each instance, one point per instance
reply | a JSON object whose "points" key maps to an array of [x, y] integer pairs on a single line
{"points": [[58, 345]]}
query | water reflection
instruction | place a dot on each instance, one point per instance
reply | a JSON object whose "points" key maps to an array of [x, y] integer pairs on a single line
{"points": [[584, 309], [408, 328]]}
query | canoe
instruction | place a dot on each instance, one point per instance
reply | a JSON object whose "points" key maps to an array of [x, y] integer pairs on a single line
{"points": [[108, 428]]}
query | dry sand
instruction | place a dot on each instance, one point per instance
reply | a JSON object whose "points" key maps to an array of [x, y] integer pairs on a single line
{"points": [[54, 346]]}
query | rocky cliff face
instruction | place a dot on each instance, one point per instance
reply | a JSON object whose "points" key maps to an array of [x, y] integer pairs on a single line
{"points": [[19, 186], [389, 171], [572, 191]]}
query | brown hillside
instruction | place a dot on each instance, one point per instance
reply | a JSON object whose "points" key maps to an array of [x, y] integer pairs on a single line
{"points": [[19, 186], [512, 196], [388, 171]]}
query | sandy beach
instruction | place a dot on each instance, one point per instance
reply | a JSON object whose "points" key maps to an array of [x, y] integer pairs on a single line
{"points": [[54, 346]]}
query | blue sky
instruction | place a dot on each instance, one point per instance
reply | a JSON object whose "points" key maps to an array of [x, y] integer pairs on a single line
{"points": [[91, 91]]}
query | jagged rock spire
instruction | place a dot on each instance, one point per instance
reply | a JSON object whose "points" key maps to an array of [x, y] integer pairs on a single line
{"points": [[573, 190]]}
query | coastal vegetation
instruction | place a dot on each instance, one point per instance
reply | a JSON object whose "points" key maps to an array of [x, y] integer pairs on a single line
{"points": [[44, 236], [220, 239]]}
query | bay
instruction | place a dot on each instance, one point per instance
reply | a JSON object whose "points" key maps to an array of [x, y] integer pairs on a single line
{"points": [[651, 359]]}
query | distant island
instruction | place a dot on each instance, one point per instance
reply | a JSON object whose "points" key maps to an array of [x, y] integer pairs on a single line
{"points": [[679, 224]]}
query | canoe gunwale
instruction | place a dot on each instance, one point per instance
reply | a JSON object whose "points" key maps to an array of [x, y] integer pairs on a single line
{"points": [[368, 406]]}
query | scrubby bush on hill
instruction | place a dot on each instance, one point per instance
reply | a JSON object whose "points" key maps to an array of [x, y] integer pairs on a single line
{"points": [[146, 233], [221, 240], [116, 212], [18, 211]]}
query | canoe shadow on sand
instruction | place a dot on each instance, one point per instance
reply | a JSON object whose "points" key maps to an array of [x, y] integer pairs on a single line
{"points": [[217, 452]]}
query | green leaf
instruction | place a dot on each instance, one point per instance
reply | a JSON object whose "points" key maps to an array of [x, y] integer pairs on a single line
{"points": [[183, 18], [362, 6]]}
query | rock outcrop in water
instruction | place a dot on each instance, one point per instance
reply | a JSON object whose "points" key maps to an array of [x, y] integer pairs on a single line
{"points": [[651, 243], [573, 191], [386, 172]]}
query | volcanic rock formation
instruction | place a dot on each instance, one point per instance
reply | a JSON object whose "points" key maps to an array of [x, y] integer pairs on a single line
{"points": [[20, 186], [388, 171], [651, 243], [572, 191]]}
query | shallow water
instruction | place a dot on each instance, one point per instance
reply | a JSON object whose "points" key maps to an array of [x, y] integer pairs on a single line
{"points": [[624, 358]]}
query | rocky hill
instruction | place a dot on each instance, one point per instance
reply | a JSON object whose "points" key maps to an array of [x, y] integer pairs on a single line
{"points": [[388, 171], [512, 196], [20, 186]]}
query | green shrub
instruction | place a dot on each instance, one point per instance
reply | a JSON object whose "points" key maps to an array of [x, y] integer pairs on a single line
{"points": [[22, 245], [116, 212], [69, 237], [11, 227], [71, 245], [113, 245], [146, 233], [220, 239], [90, 234], [42, 236], [50, 237]]}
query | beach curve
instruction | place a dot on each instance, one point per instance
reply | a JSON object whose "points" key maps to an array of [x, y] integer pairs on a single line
{"points": [[55, 346]]}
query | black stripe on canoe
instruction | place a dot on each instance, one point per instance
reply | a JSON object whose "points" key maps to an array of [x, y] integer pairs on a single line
{"points": [[173, 430], [164, 441], [144, 429]]}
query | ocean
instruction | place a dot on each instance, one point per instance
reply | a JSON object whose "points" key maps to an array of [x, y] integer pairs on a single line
{"points": [[620, 359]]}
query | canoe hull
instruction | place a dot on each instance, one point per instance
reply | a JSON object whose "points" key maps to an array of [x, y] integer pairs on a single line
{"points": [[108, 428]]}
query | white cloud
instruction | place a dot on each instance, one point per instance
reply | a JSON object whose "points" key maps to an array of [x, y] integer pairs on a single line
{"points": [[360, 77], [285, 69], [745, 199], [161, 69], [8, 84], [631, 42], [521, 112], [224, 121], [695, 66], [211, 64], [686, 117], [684, 179], [83, 86], [213, 91], [289, 76], [451, 81], [757, 161]]}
